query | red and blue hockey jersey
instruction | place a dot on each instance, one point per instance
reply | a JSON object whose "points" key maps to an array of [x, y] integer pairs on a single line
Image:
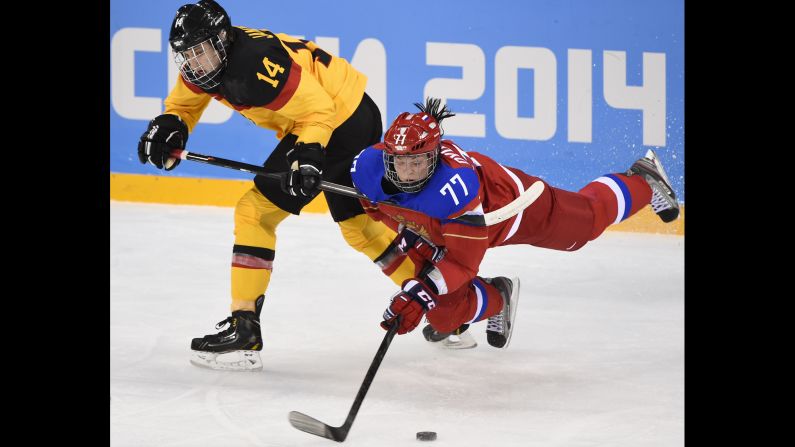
{"points": [[462, 184]]}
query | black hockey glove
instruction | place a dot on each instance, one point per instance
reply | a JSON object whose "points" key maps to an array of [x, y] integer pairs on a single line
{"points": [[306, 165], [165, 132]]}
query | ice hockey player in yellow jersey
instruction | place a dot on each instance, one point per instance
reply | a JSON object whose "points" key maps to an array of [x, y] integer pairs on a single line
{"points": [[323, 118]]}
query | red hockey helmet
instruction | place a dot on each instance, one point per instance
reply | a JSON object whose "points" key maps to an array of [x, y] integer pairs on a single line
{"points": [[411, 151]]}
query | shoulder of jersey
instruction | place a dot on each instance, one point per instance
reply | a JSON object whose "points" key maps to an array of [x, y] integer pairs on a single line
{"points": [[367, 171], [455, 184], [452, 188], [455, 156], [247, 58]]}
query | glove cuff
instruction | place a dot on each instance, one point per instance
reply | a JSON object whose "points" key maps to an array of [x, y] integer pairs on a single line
{"points": [[168, 124], [308, 153], [419, 292]]}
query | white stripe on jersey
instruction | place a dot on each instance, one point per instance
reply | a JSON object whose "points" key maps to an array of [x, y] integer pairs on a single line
{"points": [[480, 305], [520, 188], [620, 204], [478, 211]]}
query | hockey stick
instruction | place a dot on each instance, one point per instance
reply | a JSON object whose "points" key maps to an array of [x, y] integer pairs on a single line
{"points": [[259, 170], [525, 199], [315, 427]]}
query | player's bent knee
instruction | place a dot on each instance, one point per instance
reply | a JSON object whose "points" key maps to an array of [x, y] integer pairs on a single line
{"points": [[256, 219], [254, 209], [366, 235]]}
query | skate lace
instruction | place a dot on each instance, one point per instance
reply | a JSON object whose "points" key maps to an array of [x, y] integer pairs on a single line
{"points": [[659, 201], [221, 324], [496, 323]]}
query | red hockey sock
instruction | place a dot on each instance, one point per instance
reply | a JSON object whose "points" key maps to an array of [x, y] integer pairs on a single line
{"points": [[614, 198], [469, 304]]}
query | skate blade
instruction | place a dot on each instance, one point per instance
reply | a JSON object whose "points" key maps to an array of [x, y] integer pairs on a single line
{"points": [[651, 155], [227, 361], [514, 300], [461, 341]]}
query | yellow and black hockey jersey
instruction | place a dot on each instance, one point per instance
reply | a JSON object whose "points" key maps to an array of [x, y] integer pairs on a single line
{"points": [[280, 83]]}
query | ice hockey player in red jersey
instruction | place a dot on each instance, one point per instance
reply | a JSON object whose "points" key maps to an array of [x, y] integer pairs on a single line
{"points": [[444, 191]]}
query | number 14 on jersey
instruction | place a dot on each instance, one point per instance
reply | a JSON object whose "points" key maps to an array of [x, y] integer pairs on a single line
{"points": [[273, 70]]}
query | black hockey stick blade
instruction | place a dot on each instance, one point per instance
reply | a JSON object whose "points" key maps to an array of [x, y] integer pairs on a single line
{"points": [[313, 426]]}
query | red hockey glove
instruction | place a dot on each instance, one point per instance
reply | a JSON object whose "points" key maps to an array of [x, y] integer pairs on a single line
{"points": [[412, 302], [407, 241]]}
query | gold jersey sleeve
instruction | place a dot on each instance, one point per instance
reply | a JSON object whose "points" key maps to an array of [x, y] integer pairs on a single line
{"points": [[186, 103]]}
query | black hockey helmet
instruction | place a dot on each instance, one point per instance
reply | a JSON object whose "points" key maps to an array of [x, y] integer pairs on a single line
{"points": [[197, 30]]}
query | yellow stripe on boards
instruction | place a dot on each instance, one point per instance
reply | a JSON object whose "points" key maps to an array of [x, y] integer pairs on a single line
{"points": [[220, 192], [188, 191], [645, 221]]}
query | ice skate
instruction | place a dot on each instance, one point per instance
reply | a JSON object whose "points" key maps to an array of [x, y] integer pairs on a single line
{"points": [[500, 326], [458, 339], [236, 348], [663, 200]]}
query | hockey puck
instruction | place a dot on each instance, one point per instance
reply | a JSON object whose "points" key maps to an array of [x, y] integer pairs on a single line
{"points": [[426, 435]]}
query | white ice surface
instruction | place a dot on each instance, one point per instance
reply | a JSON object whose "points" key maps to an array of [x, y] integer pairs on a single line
{"points": [[597, 357]]}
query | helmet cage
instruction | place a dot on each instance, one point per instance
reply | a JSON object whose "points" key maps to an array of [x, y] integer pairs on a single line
{"points": [[203, 64], [424, 161]]}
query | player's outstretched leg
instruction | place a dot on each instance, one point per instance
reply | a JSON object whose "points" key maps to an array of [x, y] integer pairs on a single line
{"points": [[500, 326], [663, 200], [236, 347]]}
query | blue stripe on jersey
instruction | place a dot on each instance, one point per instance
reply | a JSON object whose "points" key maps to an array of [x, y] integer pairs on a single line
{"points": [[624, 192], [485, 297], [448, 191]]}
